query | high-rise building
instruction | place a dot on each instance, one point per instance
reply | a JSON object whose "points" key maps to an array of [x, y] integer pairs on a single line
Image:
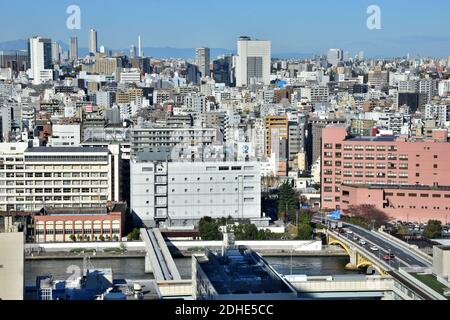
{"points": [[56, 53], [140, 47], [203, 61], [16, 60], [93, 41], [73, 48], [223, 70], [335, 56], [253, 63], [132, 51], [40, 51]]}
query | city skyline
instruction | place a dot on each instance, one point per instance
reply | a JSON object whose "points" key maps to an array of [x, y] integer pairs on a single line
{"points": [[405, 28]]}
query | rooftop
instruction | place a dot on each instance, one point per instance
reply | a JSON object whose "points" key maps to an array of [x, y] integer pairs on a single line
{"points": [[67, 149], [399, 187], [241, 271]]}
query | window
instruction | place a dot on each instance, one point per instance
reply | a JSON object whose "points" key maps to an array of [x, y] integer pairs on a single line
{"points": [[147, 169]]}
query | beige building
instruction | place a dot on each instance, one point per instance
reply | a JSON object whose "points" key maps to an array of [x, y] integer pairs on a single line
{"points": [[12, 266], [441, 261]]}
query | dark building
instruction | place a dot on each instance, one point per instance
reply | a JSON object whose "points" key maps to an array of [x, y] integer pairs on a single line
{"points": [[193, 74], [314, 139], [415, 101], [223, 70], [16, 60], [360, 88], [141, 63]]}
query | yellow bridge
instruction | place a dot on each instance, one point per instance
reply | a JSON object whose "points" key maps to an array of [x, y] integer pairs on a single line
{"points": [[358, 258]]}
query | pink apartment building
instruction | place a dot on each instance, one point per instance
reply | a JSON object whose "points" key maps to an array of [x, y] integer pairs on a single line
{"points": [[408, 178]]}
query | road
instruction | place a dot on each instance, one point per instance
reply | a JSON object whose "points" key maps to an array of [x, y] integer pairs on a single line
{"points": [[403, 257]]}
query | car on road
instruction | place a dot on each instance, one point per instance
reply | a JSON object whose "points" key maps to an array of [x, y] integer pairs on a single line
{"points": [[355, 238], [374, 248], [348, 231], [387, 257], [362, 242]]}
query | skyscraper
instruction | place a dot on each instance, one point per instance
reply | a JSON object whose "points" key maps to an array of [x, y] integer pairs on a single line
{"points": [[253, 62], [73, 48], [222, 70], [56, 53], [40, 51], [203, 61], [132, 51], [139, 46], [93, 41], [335, 56]]}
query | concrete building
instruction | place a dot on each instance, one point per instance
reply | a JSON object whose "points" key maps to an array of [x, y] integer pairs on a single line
{"points": [[253, 62], [16, 60], [150, 136], [392, 161], [378, 78], [40, 51], [12, 261], [314, 139], [62, 177], [65, 135], [276, 142], [73, 48], [93, 45], [335, 56], [441, 261], [181, 193], [203, 61]]}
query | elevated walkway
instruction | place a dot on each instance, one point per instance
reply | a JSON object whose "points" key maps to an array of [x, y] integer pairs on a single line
{"points": [[158, 259]]}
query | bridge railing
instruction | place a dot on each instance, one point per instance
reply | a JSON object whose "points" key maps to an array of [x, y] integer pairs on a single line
{"points": [[404, 245], [369, 255]]}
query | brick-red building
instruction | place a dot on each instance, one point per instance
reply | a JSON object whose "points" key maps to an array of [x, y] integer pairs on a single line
{"points": [[405, 177]]}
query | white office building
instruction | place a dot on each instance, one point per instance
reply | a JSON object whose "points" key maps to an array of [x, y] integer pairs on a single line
{"points": [[40, 50], [58, 177], [65, 135], [93, 46], [335, 56], [253, 62], [181, 193]]}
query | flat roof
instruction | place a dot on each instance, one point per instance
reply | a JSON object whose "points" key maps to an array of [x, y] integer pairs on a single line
{"points": [[399, 187], [241, 271], [373, 139], [67, 149]]}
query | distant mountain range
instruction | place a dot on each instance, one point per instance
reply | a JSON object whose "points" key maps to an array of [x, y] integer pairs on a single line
{"points": [[157, 52]]}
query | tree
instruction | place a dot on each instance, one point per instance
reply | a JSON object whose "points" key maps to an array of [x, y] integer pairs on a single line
{"points": [[134, 235], [369, 213], [401, 230], [433, 229], [208, 229], [305, 232], [286, 200]]}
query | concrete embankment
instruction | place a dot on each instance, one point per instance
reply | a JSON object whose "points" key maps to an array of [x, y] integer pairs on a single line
{"points": [[98, 254]]}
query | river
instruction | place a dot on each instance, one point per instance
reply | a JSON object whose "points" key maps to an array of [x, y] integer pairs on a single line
{"points": [[133, 268]]}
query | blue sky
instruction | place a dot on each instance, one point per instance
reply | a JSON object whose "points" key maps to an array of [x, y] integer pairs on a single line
{"points": [[301, 26]]}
